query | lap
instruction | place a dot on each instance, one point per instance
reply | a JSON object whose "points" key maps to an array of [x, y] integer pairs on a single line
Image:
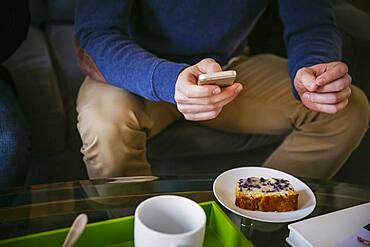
{"points": [[109, 105], [266, 104]]}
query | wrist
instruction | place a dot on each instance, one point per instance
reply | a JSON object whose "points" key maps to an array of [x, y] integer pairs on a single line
{"points": [[164, 79]]}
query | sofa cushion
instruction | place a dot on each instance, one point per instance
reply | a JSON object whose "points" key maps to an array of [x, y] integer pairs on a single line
{"points": [[70, 76], [38, 12], [61, 41], [61, 11], [354, 25], [38, 92], [361, 4]]}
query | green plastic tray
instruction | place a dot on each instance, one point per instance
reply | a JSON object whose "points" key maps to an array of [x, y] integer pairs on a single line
{"points": [[220, 231]]}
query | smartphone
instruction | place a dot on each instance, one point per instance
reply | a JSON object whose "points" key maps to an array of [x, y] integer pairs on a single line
{"points": [[222, 79]]}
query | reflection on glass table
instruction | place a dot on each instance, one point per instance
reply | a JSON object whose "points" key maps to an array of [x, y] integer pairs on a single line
{"points": [[26, 210]]}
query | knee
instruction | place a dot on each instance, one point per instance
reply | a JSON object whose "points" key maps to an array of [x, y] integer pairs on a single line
{"points": [[107, 134], [352, 122], [108, 114], [109, 142], [112, 124], [100, 140], [105, 129], [358, 111]]}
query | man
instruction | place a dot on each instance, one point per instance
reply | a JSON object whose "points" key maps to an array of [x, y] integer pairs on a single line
{"points": [[14, 135], [143, 59]]}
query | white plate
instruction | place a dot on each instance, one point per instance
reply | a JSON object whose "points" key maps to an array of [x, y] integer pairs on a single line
{"points": [[224, 190]]}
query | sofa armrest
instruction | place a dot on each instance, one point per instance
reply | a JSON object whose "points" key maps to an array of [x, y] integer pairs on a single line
{"points": [[354, 25], [35, 80]]}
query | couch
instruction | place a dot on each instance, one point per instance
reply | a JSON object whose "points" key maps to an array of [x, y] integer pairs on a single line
{"points": [[47, 78]]}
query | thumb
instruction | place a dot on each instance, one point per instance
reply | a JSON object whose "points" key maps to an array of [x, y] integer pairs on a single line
{"points": [[208, 66], [307, 77]]}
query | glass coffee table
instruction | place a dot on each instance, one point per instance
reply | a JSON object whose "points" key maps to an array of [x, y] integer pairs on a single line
{"points": [[32, 209]]}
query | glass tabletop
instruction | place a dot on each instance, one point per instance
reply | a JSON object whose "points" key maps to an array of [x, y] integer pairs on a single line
{"points": [[31, 209]]}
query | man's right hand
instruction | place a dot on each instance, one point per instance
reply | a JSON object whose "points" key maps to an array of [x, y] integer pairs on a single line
{"points": [[205, 102]]}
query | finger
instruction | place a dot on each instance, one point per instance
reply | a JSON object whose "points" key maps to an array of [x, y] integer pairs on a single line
{"points": [[227, 92], [337, 85], [191, 90], [227, 100], [299, 87], [181, 98], [327, 98], [327, 108], [192, 109], [208, 66], [333, 73], [318, 69], [202, 116], [307, 78]]}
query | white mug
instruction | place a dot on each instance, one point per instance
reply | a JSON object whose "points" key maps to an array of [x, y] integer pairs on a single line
{"points": [[169, 221]]}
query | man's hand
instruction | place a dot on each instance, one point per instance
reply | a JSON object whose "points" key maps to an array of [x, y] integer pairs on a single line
{"points": [[324, 87], [199, 103]]}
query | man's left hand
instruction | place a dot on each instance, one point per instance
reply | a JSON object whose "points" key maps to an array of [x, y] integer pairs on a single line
{"points": [[324, 87]]}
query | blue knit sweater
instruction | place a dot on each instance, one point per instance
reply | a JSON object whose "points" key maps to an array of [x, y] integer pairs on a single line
{"points": [[142, 45]]}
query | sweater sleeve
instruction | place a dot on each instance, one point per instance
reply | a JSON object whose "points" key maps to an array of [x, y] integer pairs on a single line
{"points": [[310, 34], [102, 31]]}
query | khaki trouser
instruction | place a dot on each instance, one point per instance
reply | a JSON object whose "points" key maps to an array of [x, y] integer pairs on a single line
{"points": [[115, 124]]}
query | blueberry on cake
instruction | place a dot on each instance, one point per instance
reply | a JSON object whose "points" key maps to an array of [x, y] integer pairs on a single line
{"points": [[268, 195]]}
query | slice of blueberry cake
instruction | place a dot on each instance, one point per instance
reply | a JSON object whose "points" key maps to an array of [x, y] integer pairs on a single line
{"points": [[268, 195]]}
